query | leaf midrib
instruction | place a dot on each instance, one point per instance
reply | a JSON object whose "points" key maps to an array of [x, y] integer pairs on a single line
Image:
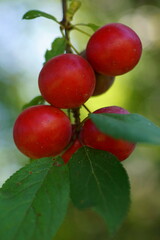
{"points": [[94, 175]]}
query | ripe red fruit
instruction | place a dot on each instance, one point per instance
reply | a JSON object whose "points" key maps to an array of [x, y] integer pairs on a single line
{"points": [[42, 131], [67, 81], [114, 49], [71, 150], [103, 82], [91, 136]]}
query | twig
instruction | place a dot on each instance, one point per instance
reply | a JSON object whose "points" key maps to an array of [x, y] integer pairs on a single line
{"points": [[86, 108]]}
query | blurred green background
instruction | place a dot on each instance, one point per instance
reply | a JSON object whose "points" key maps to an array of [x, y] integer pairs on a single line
{"points": [[23, 44]]}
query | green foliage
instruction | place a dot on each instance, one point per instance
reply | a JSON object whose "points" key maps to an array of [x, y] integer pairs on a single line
{"points": [[33, 201], [35, 101], [98, 180], [93, 26], [58, 47], [73, 7], [131, 127], [36, 13]]}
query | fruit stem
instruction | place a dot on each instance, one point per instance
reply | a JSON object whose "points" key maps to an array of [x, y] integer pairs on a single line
{"points": [[80, 30], [69, 43], [76, 115], [64, 9], [66, 25], [86, 108]]}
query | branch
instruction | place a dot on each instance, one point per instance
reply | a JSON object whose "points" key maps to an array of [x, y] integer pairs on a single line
{"points": [[66, 25]]}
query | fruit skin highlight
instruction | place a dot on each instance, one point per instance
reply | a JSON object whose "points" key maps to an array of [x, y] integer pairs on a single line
{"points": [[67, 81], [91, 136], [114, 49], [42, 131]]}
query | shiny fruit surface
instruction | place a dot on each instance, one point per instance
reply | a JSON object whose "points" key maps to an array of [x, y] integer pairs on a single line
{"points": [[114, 49], [91, 136], [67, 81], [42, 131]]}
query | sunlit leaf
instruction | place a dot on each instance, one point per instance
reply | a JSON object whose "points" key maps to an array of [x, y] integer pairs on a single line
{"points": [[73, 7], [35, 101], [36, 13], [93, 26], [57, 48]]}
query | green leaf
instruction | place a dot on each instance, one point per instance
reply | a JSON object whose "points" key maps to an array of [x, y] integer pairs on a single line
{"points": [[130, 127], [36, 13], [57, 48], [99, 180], [33, 201], [73, 7], [35, 101], [93, 26]]}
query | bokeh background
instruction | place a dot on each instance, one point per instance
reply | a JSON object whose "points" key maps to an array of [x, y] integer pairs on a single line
{"points": [[22, 47]]}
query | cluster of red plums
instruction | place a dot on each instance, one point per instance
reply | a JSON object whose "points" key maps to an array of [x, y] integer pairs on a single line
{"points": [[67, 81]]}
